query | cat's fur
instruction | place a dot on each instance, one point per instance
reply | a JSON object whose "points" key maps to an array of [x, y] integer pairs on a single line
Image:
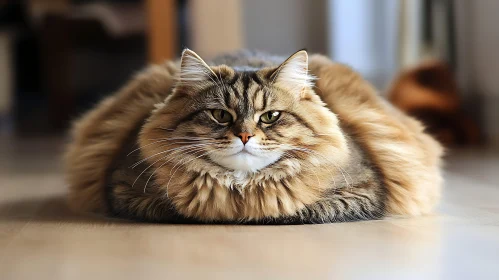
{"points": [[338, 152]]}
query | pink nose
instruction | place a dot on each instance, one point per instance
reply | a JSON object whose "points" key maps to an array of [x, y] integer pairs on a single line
{"points": [[245, 136]]}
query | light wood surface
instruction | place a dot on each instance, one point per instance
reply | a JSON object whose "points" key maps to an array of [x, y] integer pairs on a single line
{"points": [[162, 30], [41, 239]]}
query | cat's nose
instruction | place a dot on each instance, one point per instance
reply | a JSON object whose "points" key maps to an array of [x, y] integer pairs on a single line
{"points": [[245, 136]]}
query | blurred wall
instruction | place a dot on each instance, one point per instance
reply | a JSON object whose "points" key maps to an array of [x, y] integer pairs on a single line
{"points": [[478, 57], [277, 26], [285, 26], [363, 34]]}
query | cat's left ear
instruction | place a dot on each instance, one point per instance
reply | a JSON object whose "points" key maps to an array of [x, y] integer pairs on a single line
{"points": [[293, 75], [194, 72]]}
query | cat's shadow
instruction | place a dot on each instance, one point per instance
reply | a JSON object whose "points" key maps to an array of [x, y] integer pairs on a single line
{"points": [[54, 209], [48, 210]]}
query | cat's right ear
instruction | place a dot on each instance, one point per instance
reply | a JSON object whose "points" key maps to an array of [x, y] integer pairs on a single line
{"points": [[194, 72]]}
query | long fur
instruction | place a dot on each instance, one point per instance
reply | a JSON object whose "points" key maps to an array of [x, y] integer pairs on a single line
{"points": [[391, 166], [98, 136], [409, 159]]}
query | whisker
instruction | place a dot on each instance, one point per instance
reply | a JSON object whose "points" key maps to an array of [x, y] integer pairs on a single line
{"points": [[167, 185], [168, 150], [145, 146], [189, 138], [289, 156], [180, 161], [163, 158], [167, 129], [148, 179], [146, 170], [328, 160], [325, 167]]}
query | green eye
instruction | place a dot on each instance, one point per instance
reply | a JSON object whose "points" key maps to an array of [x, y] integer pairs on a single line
{"points": [[221, 116], [270, 116]]}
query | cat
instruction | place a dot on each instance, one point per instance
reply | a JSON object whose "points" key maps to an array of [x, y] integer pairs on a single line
{"points": [[251, 138]]}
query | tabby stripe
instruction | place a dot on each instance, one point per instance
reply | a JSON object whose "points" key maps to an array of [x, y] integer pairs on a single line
{"points": [[189, 117], [227, 98], [302, 121], [255, 97], [269, 74], [323, 208], [362, 209], [255, 78], [278, 133], [246, 83], [234, 89], [343, 202], [234, 79], [266, 94]]}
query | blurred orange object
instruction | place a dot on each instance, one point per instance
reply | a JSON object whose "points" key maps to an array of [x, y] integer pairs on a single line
{"points": [[162, 16], [429, 92]]}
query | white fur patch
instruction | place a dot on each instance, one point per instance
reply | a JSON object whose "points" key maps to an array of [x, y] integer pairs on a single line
{"points": [[245, 159]]}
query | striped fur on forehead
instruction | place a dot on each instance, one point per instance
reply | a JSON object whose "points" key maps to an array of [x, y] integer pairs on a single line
{"points": [[249, 93], [241, 87], [244, 92]]}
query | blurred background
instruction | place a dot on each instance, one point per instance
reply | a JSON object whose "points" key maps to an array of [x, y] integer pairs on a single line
{"points": [[435, 59]]}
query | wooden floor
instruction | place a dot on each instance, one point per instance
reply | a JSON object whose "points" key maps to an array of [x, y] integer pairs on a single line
{"points": [[41, 239]]}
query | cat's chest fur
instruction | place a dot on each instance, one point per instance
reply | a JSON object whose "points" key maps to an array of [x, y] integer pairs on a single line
{"points": [[205, 197]]}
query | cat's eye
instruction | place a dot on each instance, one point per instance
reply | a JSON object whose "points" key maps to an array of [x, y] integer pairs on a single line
{"points": [[221, 116], [270, 116]]}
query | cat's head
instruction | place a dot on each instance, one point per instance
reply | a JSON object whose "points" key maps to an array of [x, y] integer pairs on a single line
{"points": [[243, 120]]}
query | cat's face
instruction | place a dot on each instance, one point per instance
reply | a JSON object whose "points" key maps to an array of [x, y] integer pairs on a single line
{"points": [[243, 121]]}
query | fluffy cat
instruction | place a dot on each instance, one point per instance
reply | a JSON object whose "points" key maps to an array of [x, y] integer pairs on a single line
{"points": [[249, 138]]}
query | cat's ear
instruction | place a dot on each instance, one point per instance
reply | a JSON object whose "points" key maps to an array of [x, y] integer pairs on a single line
{"points": [[293, 75], [194, 72]]}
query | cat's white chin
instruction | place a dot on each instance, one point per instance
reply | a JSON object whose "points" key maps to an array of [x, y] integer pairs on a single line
{"points": [[245, 161]]}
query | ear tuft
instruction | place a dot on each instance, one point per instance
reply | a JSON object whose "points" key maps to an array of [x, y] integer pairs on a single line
{"points": [[292, 74], [193, 70]]}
